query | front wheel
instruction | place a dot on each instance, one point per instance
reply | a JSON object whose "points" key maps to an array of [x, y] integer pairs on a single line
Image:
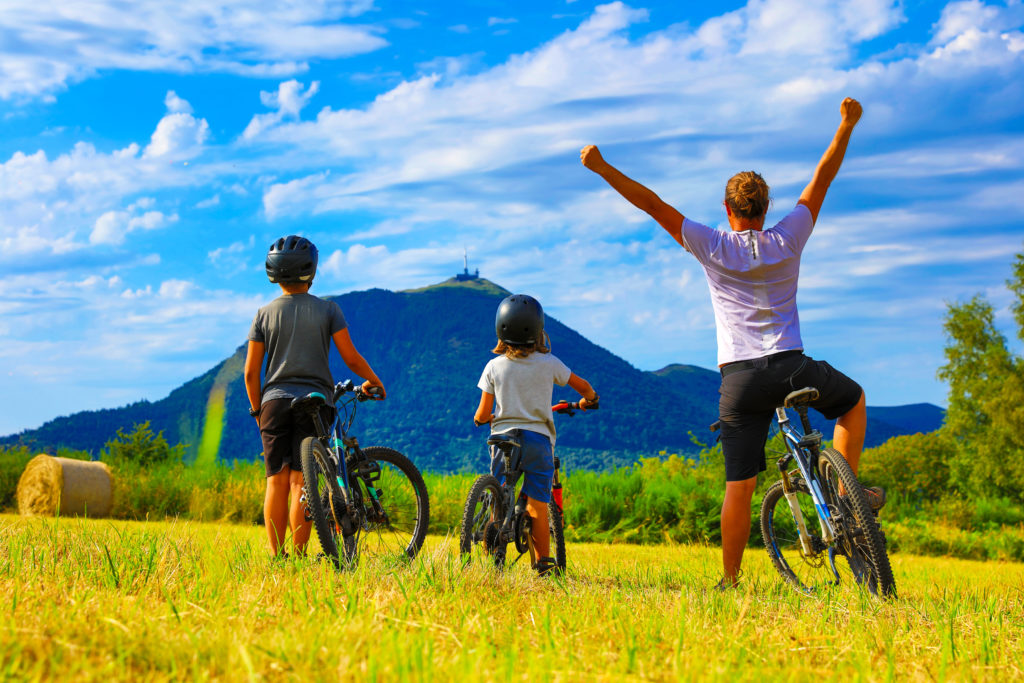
{"points": [[394, 507], [859, 549], [804, 563]]}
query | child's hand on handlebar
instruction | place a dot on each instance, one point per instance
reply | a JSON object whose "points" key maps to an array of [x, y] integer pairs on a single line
{"points": [[374, 390], [589, 403]]}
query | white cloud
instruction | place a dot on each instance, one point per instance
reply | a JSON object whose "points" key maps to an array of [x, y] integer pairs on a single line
{"points": [[209, 202], [112, 226], [289, 101], [50, 45], [178, 135], [175, 104]]}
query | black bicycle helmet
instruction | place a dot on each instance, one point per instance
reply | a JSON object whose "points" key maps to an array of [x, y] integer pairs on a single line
{"points": [[291, 260], [520, 320]]}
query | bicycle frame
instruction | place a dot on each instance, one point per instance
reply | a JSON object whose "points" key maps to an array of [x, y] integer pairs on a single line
{"points": [[338, 444], [803, 448]]}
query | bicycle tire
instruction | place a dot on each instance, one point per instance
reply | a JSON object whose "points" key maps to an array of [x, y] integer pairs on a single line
{"points": [[804, 571], [862, 542], [484, 509], [556, 523], [318, 480], [406, 507]]}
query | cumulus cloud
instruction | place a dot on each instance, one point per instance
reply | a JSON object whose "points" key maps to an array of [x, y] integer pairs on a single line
{"points": [[179, 135], [112, 226], [50, 45]]}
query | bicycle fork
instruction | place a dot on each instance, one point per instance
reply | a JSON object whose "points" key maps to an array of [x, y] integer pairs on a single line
{"points": [[789, 491]]}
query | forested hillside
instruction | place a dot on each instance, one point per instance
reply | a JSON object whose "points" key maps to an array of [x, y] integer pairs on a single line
{"points": [[429, 347]]}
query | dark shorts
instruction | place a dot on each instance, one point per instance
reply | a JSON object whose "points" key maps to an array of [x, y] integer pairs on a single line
{"points": [[283, 430], [749, 398], [537, 462]]}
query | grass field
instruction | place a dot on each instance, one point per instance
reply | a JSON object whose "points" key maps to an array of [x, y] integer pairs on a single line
{"points": [[87, 600]]}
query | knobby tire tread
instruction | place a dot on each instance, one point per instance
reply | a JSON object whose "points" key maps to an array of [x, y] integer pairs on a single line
{"points": [[556, 524], [314, 459], [476, 492], [865, 518]]}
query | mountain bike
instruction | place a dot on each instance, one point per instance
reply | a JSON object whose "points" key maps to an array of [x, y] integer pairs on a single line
{"points": [[817, 525], [495, 512], [362, 501]]}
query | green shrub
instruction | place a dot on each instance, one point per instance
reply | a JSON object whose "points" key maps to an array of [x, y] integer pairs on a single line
{"points": [[12, 463]]}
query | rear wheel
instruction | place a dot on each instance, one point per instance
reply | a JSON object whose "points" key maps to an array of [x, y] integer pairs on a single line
{"points": [[556, 523], [859, 551], [481, 519], [393, 506], [322, 494]]}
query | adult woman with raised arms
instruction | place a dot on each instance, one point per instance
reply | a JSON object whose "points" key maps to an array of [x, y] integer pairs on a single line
{"points": [[752, 272]]}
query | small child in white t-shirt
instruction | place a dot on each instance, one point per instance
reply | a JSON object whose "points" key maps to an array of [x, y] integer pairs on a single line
{"points": [[521, 378]]}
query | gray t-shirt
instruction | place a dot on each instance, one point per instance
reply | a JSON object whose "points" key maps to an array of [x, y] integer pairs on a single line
{"points": [[753, 280], [522, 390], [297, 331]]}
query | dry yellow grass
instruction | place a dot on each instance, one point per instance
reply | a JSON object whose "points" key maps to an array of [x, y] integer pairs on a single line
{"points": [[88, 600]]}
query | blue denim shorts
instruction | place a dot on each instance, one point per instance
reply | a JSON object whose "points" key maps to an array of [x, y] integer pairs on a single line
{"points": [[536, 459]]}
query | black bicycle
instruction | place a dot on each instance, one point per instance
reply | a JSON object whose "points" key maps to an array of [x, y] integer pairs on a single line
{"points": [[817, 524], [495, 512], [374, 505]]}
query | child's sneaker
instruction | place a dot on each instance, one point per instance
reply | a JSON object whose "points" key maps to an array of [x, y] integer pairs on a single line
{"points": [[545, 566]]}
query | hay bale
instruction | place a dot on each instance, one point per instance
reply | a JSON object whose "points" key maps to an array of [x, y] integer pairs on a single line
{"points": [[74, 487]]}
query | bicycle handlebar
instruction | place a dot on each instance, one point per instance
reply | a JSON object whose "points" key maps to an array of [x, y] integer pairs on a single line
{"points": [[570, 408], [342, 388]]}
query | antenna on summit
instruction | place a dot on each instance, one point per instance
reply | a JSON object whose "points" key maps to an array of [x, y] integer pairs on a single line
{"points": [[465, 275]]}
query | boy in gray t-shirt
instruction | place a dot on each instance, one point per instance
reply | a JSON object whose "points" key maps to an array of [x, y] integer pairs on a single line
{"points": [[294, 333], [521, 378]]}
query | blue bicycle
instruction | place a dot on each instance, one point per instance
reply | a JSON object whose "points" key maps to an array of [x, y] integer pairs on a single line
{"points": [[362, 501], [817, 524]]}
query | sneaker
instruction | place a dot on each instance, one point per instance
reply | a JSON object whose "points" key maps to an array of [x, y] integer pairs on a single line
{"points": [[545, 566], [876, 498], [725, 585]]}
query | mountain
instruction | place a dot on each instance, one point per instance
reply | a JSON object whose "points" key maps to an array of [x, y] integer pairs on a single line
{"points": [[429, 346]]}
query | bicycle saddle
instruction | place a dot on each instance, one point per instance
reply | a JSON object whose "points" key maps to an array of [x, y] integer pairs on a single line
{"points": [[309, 403], [502, 441], [801, 397]]}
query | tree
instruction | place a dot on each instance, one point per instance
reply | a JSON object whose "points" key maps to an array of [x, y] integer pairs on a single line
{"points": [[986, 395], [141, 447]]}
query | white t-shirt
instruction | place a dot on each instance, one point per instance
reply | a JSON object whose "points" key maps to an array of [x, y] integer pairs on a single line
{"points": [[522, 390], [753, 280]]}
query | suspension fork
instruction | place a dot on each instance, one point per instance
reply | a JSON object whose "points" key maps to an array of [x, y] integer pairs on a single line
{"points": [[789, 491]]}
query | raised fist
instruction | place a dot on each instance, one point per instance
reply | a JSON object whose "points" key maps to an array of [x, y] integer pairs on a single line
{"points": [[591, 157], [851, 110]]}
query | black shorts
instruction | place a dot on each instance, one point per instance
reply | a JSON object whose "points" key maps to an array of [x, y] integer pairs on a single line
{"points": [[749, 398], [283, 430]]}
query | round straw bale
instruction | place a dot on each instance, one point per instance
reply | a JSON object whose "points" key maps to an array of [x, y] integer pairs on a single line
{"points": [[72, 487]]}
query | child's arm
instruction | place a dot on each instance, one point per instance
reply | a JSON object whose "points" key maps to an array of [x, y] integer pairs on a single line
{"points": [[253, 365], [355, 361], [483, 411], [585, 390]]}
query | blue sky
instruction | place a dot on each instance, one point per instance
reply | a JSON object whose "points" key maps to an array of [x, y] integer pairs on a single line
{"points": [[149, 157]]}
